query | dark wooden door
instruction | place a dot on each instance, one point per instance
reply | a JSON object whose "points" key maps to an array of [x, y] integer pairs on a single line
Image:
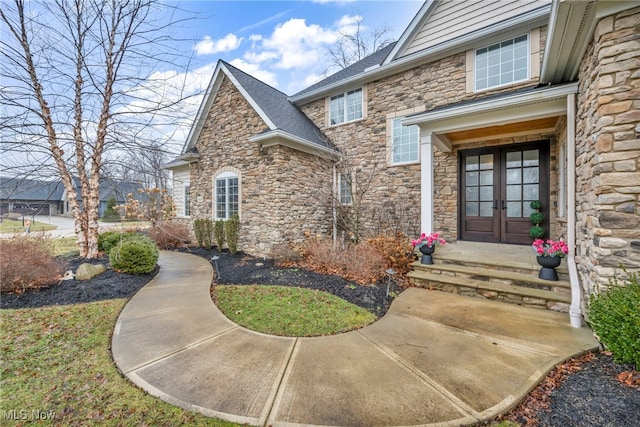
{"points": [[497, 186]]}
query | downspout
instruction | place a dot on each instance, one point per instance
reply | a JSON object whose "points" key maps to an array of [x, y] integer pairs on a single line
{"points": [[575, 311], [333, 205]]}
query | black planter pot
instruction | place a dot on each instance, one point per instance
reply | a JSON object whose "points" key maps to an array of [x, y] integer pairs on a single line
{"points": [[426, 254], [549, 264]]}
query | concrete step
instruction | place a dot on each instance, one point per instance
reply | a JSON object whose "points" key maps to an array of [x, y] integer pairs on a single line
{"points": [[557, 299]]}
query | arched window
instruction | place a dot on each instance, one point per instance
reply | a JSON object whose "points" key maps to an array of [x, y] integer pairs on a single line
{"points": [[227, 189]]}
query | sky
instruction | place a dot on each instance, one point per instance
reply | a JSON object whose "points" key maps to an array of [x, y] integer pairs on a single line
{"points": [[284, 43]]}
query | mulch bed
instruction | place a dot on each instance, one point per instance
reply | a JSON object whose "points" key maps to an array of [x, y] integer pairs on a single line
{"points": [[591, 390]]}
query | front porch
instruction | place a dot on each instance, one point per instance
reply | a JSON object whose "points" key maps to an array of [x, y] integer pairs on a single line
{"points": [[501, 272]]}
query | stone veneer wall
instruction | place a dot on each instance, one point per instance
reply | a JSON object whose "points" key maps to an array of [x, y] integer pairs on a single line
{"points": [[608, 152], [397, 188], [278, 185]]}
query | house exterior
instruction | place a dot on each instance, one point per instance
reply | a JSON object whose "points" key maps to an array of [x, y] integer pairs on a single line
{"points": [[477, 110]]}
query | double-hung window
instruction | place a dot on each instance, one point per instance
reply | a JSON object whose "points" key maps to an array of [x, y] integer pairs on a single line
{"points": [[227, 195], [502, 63], [187, 201], [404, 142], [346, 107], [344, 189]]}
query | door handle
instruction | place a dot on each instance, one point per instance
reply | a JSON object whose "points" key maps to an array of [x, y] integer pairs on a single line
{"points": [[504, 205], [495, 204]]}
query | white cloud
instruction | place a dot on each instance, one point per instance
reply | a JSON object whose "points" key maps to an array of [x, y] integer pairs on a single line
{"points": [[208, 46], [255, 71], [348, 24]]}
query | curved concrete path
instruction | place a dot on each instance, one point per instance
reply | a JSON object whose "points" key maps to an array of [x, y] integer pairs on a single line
{"points": [[434, 359]]}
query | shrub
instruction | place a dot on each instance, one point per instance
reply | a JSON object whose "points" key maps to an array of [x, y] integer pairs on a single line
{"points": [[359, 263], [536, 218], [536, 232], [614, 315], [137, 255], [26, 263], [218, 234], [203, 229], [232, 230], [396, 251], [109, 239], [111, 214], [169, 234]]}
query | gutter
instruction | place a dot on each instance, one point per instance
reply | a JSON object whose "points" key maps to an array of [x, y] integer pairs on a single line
{"points": [[575, 310], [277, 137]]}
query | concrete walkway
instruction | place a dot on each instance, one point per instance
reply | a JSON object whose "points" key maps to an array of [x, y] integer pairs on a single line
{"points": [[434, 359]]}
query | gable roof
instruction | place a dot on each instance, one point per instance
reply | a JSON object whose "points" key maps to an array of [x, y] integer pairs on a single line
{"points": [[283, 119], [30, 189]]}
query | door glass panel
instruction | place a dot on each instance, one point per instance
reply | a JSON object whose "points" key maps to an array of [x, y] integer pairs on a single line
{"points": [[514, 209], [530, 175], [486, 193], [514, 192], [471, 163], [472, 194], [514, 176], [472, 208], [531, 157], [530, 192], [486, 208], [526, 210], [486, 161], [486, 177], [471, 178], [514, 159]]}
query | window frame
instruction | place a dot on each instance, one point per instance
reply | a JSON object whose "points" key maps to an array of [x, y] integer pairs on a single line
{"points": [[393, 142], [187, 200], [226, 177], [500, 44], [342, 177], [345, 107]]}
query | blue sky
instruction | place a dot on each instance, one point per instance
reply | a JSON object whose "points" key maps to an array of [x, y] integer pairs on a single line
{"points": [[284, 43]]}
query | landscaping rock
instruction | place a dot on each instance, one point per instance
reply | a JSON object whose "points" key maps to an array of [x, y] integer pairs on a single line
{"points": [[88, 271]]}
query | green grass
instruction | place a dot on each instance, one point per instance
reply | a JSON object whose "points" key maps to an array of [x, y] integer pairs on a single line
{"points": [[15, 226], [57, 359], [289, 311], [64, 245]]}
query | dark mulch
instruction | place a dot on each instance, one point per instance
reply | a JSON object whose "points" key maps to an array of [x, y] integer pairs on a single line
{"points": [[106, 286], [243, 269], [591, 390]]}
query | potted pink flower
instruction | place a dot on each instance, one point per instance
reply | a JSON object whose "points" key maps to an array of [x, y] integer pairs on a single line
{"points": [[426, 244], [549, 254]]}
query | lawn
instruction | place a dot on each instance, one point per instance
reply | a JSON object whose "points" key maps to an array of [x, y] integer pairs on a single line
{"points": [[56, 360], [15, 226], [290, 311]]}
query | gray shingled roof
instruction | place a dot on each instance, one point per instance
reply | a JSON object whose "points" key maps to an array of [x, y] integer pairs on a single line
{"points": [[276, 105], [30, 189], [359, 67]]}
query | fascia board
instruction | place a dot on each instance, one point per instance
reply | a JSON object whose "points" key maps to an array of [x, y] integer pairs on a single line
{"points": [[203, 111], [543, 103], [427, 55], [279, 137]]}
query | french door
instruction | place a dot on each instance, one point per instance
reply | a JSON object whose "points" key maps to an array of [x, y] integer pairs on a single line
{"points": [[497, 186]]}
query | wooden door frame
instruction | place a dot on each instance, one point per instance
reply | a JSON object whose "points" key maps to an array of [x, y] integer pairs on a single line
{"points": [[499, 180]]}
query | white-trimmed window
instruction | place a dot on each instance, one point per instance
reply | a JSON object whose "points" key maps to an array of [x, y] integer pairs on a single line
{"points": [[404, 142], [346, 107], [187, 201], [502, 63], [344, 189], [227, 195]]}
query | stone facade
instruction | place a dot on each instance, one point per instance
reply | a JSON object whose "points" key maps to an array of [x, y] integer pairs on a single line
{"points": [[608, 152], [279, 196]]}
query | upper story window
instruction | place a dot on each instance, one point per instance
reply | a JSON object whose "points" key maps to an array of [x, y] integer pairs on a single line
{"points": [[344, 189], [346, 107], [502, 63], [404, 148], [227, 195]]}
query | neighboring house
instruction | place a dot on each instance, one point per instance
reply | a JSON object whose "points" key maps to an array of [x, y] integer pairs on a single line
{"points": [[477, 110], [34, 197], [31, 197]]}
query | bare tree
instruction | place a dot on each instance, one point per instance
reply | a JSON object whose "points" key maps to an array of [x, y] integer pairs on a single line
{"points": [[78, 83], [355, 45]]}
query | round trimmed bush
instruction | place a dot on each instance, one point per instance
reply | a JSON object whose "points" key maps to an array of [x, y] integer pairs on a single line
{"points": [[536, 232], [134, 255], [109, 239], [536, 218]]}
